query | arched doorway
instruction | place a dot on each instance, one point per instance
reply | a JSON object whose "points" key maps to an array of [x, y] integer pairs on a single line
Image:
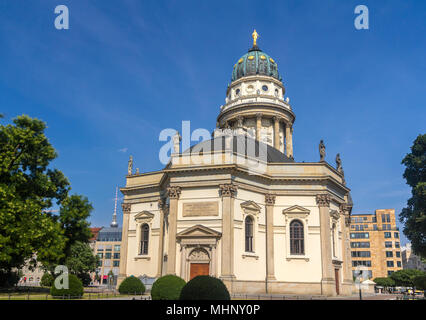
{"points": [[199, 263]]}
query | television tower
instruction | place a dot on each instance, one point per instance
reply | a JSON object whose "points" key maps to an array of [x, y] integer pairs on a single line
{"points": [[114, 223]]}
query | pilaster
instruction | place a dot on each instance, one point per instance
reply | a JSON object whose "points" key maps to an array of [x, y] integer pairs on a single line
{"points": [[328, 285], [174, 194]]}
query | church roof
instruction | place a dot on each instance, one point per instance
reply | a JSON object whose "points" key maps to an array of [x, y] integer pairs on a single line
{"points": [[242, 145], [255, 62]]}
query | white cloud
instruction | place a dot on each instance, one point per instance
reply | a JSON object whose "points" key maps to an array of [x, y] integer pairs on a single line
{"points": [[124, 150]]}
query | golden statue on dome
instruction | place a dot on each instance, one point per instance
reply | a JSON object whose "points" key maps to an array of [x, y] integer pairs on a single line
{"points": [[255, 35]]}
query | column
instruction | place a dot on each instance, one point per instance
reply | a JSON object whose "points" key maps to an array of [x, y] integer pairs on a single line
{"points": [[276, 133], [161, 238], [258, 125], [227, 192], [270, 201], [173, 193], [347, 260], [123, 249], [328, 286], [289, 139]]}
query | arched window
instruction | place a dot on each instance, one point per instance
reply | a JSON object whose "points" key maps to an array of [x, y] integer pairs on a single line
{"points": [[297, 245], [144, 239], [249, 233]]}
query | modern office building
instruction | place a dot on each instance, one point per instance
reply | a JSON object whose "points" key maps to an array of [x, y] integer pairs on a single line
{"points": [[106, 244], [375, 244]]}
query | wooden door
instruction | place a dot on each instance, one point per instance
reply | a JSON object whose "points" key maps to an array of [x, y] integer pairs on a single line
{"points": [[336, 278], [199, 269]]}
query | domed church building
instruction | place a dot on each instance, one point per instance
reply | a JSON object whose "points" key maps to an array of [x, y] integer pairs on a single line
{"points": [[239, 206]]}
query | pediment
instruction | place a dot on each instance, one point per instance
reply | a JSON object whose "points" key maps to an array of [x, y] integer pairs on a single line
{"points": [[250, 205], [144, 215], [198, 231], [296, 209]]}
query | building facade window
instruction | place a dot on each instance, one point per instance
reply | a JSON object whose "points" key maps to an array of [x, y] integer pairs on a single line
{"points": [[116, 263], [389, 264], [398, 264], [361, 235], [333, 235], [360, 244], [297, 245], [396, 235], [361, 254], [116, 255], [388, 244], [398, 254], [389, 254], [396, 244], [388, 235], [365, 263], [144, 239], [117, 247], [108, 255], [249, 233]]}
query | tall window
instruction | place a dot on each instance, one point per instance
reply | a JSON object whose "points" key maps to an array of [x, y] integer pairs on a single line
{"points": [[297, 245], [333, 238], [249, 234], [144, 239]]}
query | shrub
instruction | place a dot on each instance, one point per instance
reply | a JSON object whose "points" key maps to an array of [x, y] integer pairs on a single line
{"points": [[167, 288], [9, 278], [131, 285], [204, 288], [46, 280], [75, 288]]}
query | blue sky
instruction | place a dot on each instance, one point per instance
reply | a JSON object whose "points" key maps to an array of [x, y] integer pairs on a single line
{"points": [[125, 70]]}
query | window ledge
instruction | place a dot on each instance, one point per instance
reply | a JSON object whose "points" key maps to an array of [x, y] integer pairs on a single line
{"points": [[298, 257], [143, 257], [250, 255]]}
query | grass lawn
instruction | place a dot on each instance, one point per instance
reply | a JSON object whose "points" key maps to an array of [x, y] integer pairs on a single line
{"points": [[41, 296]]}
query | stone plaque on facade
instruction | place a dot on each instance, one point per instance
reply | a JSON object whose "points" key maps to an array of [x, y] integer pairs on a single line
{"points": [[205, 208]]}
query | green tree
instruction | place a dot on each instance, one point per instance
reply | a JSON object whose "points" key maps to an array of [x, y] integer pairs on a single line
{"points": [[27, 188], [81, 261], [384, 282], [405, 278], [73, 215], [414, 215]]}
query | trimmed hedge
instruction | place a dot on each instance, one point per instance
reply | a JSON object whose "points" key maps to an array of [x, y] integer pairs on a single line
{"points": [[75, 288], [46, 280], [167, 288], [131, 285], [204, 288]]}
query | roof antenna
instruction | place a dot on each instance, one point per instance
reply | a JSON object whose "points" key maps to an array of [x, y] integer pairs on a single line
{"points": [[114, 223]]}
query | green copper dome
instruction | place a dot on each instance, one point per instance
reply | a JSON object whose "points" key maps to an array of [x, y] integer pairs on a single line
{"points": [[255, 62]]}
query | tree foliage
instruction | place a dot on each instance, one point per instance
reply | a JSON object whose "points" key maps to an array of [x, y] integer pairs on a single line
{"points": [[167, 287], [405, 278], [27, 187], [384, 282], [414, 215], [81, 261], [73, 215]]}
